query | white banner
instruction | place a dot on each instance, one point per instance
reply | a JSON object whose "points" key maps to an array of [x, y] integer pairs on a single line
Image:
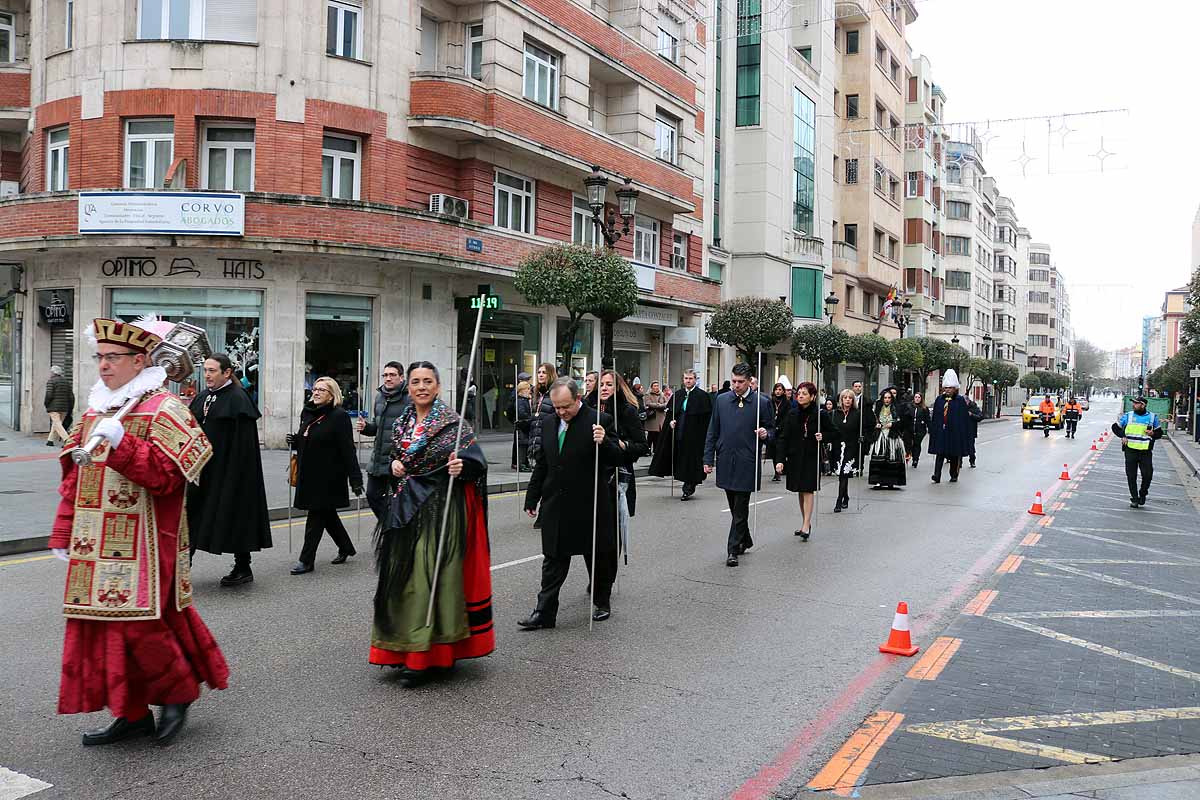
{"points": [[197, 213]]}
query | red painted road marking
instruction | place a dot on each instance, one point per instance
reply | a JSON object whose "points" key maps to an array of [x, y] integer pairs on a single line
{"points": [[42, 457], [851, 761]]}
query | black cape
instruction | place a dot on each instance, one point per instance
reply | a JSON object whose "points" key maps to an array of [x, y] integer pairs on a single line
{"points": [[688, 441], [227, 509]]}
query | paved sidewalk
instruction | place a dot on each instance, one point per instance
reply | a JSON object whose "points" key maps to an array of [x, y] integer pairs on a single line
{"points": [[1083, 649]]}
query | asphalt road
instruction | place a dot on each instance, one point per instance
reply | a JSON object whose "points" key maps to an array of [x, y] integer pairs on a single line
{"points": [[707, 682]]}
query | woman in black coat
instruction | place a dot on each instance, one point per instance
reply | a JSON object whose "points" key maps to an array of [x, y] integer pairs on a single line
{"points": [[616, 399], [843, 435], [327, 462], [920, 426], [780, 406], [798, 452], [522, 416]]}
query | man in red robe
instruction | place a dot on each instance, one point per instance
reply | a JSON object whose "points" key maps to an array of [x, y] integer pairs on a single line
{"points": [[132, 637]]}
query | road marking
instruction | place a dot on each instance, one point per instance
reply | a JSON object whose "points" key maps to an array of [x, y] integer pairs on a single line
{"points": [[1052, 561], [1046, 521], [1121, 614], [851, 761], [1031, 540], [977, 731], [979, 605], [758, 503], [1056, 506], [14, 785], [525, 560], [1010, 564], [1095, 648], [25, 560], [1083, 573], [1130, 545], [1170, 532], [935, 659]]}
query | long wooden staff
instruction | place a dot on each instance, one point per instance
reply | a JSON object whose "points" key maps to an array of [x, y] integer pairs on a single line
{"points": [[820, 454], [595, 511], [358, 450], [291, 422], [516, 433], [862, 413], [757, 453], [437, 564]]}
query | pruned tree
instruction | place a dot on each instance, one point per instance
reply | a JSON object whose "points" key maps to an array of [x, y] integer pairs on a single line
{"points": [[910, 358], [936, 354], [1005, 375], [823, 346], [872, 351], [584, 280], [1190, 327], [751, 325]]}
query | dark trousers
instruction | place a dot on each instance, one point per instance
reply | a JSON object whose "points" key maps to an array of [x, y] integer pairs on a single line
{"points": [[843, 488], [1135, 460], [377, 494], [739, 527], [652, 439], [1071, 425], [523, 452], [918, 440], [955, 466], [318, 522], [554, 573]]}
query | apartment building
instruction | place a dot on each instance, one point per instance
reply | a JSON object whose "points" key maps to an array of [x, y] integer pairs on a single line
{"points": [[1041, 292], [924, 170], [354, 173], [1011, 263], [1065, 353], [1154, 344], [870, 104], [1127, 362], [1175, 309], [771, 192]]}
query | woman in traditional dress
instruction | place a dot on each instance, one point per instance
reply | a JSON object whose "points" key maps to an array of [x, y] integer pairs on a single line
{"points": [[798, 452], [887, 452], [406, 542], [618, 400]]}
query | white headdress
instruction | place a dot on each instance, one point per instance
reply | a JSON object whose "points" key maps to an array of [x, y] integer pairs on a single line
{"points": [[950, 379]]}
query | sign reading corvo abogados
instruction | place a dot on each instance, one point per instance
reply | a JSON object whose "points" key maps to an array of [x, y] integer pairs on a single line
{"points": [[198, 213]]}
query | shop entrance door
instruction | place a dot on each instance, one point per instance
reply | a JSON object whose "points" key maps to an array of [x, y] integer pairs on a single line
{"points": [[496, 367], [337, 329], [10, 370]]}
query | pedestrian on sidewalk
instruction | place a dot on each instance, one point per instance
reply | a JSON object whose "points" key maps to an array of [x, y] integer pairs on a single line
{"points": [[975, 415], [617, 400], [327, 462], [390, 401], [227, 508], [564, 486], [1138, 429], [133, 638], [656, 406], [920, 427], [541, 405], [843, 435], [949, 429], [522, 416], [798, 445], [686, 423], [407, 540], [886, 469], [734, 448], [59, 403], [781, 406]]}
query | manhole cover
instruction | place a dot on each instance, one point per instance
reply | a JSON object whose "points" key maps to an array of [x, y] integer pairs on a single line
{"points": [[17, 491]]}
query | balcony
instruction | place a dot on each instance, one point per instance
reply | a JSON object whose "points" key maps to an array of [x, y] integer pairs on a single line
{"points": [[14, 98], [851, 12], [845, 255], [923, 304], [805, 249]]}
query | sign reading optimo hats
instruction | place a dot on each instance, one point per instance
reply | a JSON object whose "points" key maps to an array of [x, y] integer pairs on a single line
{"points": [[199, 213]]}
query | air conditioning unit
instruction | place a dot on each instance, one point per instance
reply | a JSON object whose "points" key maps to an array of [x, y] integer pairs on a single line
{"points": [[9, 188], [449, 206], [679, 262]]}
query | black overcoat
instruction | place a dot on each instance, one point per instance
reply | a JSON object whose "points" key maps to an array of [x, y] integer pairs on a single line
{"points": [[730, 445], [562, 484], [328, 463], [687, 438], [227, 509], [796, 446]]}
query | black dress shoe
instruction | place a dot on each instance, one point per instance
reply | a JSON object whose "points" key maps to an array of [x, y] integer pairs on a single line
{"points": [[535, 621], [732, 561], [299, 568], [170, 723], [837, 507], [341, 557], [684, 497], [119, 729], [237, 576], [1133, 503], [954, 479], [601, 613], [935, 478]]}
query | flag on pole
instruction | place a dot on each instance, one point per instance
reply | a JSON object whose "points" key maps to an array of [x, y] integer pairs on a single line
{"points": [[887, 304]]}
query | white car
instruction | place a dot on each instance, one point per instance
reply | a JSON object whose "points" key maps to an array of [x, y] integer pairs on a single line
{"points": [[1083, 403]]}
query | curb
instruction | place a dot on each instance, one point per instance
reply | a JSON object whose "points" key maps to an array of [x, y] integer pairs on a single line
{"points": [[1192, 462]]}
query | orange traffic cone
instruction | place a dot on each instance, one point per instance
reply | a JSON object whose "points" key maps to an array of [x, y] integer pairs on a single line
{"points": [[899, 642], [1094, 445], [1064, 476], [1036, 508]]}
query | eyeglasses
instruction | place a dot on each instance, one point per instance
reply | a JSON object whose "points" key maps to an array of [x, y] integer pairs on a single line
{"points": [[320, 389], [112, 358]]}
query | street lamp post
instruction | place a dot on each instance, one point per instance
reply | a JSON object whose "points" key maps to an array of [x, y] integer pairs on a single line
{"points": [[902, 315], [831, 304], [987, 354], [596, 185]]}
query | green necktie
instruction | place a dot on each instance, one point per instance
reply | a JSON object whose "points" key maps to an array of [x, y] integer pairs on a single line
{"points": [[686, 395], [562, 435]]}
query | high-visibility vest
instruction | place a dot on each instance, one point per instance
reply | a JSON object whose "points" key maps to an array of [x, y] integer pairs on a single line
{"points": [[1137, 430]]}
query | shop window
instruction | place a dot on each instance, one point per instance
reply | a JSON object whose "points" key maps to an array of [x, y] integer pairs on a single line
{"points": [[8, 38], [645, 241], [343, 29], [806, 292], [541, 75], [474, 50], [580, 346], [514, 202], [583, 228], [149, 148], [341, 163], [228, 159], [58, 145], [216, 20], [337, 332], [508, 344]]}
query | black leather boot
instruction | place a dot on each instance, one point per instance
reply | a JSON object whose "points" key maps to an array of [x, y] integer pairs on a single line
{"points": [[118, 730], [170, 723], [240, 574]]}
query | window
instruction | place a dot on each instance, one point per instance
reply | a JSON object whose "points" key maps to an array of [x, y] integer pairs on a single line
{"points": [[1039, 258], [893, 130], [514, 202], [893, 189], [805, 53], [196, 19], [1039, 319], [958, 246], [749, 62], [1039, 297], [343, 29], [851, 106], [958, 315], [679, 252], [912, 184], [583, 229], [474, 50], [666, 137], [894, 72], [893, 248], [807, 290], [541, 76], [428, 57], [1040, 275], [953, 174], [880, 117], [668, 45], [851, 170], [956, 209], [227, 161], [868, 305], [715, 269], [149, 148], [1037, 340], [957, 279], [851, 42], [57, 148], [8, 38], [880, 239], [850, 234], [879, 173], [645, 240], [340, 166], [804, 115], [69, 36], [881, 53]]}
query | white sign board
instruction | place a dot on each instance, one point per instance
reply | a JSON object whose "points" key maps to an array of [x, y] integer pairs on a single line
{"points": [[653, 315], [645, 277], [197, 213], [1195, 373]]}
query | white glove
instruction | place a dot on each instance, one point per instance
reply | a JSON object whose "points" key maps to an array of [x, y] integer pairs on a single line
{"points": [[110, 429], [60, 553]]}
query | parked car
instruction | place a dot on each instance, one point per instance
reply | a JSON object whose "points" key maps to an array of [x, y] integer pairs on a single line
{"points": [[1030, 418]]}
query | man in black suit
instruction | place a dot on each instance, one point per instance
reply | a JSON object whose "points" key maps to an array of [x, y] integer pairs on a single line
{"points": [[560, 484]]}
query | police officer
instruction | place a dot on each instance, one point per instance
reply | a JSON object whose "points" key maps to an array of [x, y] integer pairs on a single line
{"points": [[1138, 429]]}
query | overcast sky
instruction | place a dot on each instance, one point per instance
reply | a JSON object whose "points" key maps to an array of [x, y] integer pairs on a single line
{"points": [[1121, 236]]}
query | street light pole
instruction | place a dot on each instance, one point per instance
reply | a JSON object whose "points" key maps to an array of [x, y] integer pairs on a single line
{"points": [[603, 216]]}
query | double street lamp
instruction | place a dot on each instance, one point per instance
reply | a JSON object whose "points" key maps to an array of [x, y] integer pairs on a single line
{"points": [[603, 216], [902, 314]]}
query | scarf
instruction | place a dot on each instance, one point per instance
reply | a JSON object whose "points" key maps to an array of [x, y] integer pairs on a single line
{"points": [[425, 446]]}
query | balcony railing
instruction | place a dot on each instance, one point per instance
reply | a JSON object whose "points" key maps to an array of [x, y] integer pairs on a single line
{"points": [[845, 250], [810, 248], [851, 11]]}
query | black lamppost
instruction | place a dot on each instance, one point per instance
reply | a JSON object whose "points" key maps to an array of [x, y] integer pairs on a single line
{"points": [[987, 353], [597, 190], [831, 303], [902, 315]]}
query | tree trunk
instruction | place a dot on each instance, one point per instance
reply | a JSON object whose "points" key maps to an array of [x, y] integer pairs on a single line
{"points": [[606, 344], [566, 346]]}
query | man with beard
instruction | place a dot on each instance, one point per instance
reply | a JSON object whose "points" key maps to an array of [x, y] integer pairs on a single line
{"points": [[686, 421], [227, 509], [391, 400]]}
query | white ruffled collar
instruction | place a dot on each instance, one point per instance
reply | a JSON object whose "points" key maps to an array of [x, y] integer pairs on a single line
{"points": [[101, 398]]}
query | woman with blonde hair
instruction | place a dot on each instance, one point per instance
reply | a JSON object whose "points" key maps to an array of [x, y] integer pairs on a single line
{"points": [[614, 397], [843, 436], [326, 464]]}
